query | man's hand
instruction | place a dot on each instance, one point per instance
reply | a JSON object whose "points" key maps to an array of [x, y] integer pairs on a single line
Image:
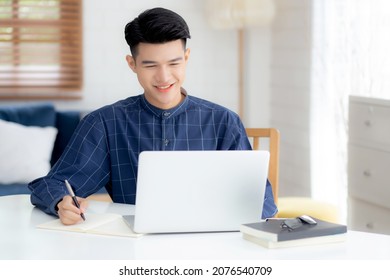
{"points": [[68, 212]]}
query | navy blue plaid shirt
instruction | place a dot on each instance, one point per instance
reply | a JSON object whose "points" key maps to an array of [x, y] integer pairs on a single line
{"points": [[104, 149]]}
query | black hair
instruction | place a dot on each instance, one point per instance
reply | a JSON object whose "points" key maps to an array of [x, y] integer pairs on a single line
{"points": [[155, 26]]}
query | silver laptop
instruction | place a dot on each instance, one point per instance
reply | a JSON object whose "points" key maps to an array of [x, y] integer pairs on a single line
{"points": [[199, 191]]}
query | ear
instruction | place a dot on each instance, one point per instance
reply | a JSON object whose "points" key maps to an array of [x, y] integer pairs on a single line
{"points": [[187, 54], [131, 62]]}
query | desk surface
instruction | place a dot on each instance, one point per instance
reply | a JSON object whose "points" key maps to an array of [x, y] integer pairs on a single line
{"points": [[21, 240]]}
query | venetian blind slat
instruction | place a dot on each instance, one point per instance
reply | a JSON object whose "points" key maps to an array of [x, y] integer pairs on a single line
{"points": [[40, 48]]}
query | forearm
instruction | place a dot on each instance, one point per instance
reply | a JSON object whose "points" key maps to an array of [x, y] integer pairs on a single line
{"points": [[84, 162], [46, 193]]}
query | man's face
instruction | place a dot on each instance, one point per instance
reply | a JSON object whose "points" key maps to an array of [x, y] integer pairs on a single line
{"points": [[160, 69]]}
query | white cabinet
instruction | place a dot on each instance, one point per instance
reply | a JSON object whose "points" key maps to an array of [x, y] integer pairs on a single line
{"points": [[369, 165]]}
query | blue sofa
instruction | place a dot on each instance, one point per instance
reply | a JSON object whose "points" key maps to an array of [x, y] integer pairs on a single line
{"points": [[42, 114]]}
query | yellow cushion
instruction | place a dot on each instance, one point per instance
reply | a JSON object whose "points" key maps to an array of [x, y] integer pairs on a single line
{"points": [[291, 207]]}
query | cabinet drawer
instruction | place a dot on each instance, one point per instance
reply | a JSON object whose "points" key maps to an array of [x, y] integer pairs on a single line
{"points": [[363, 216], [369, 125], [369, 175]]}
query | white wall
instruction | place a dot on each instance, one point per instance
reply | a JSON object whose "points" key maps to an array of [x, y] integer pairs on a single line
{"points": [[212, 69], [258, 55], [291, 92]]}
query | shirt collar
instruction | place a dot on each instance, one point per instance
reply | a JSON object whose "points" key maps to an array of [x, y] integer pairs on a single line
{"points": [[161, 113]]}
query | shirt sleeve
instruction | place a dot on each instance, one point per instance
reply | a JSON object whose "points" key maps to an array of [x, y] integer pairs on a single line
{"points": [[269, 207], [84, 163], [235, 137]]}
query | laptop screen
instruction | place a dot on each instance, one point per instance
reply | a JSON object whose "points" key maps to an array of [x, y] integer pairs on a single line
{"points": [[199, 191]]}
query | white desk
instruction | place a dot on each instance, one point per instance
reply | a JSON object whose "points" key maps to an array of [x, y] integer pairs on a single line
{"points": [[21, 240]]}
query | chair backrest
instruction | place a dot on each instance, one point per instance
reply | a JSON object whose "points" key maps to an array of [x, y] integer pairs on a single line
{"points": [[273, 136]]}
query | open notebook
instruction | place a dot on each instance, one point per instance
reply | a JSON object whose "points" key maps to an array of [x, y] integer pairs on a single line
{"points": [[106, 224]]}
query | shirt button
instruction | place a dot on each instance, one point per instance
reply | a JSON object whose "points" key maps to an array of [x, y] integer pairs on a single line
{"points": [[166, 114], [166, 142]]}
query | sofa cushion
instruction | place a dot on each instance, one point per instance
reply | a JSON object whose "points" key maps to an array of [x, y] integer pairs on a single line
{"points": [[42, 114], [25, 152], [12, 189]]}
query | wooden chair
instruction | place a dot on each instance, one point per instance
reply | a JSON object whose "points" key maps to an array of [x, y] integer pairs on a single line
{"points": [[273, 136], [289, 207]]}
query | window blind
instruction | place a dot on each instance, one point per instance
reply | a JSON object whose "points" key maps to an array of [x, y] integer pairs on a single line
{"points": [[40, 48]]}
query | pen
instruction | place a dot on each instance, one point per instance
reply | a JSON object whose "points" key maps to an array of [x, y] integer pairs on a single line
{"points": [[70, 190]]}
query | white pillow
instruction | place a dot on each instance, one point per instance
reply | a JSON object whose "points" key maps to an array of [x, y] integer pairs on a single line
{"points": [[25, 152]]}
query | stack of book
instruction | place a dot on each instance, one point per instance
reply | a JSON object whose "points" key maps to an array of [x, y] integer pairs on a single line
{"points": [[272, 233]]}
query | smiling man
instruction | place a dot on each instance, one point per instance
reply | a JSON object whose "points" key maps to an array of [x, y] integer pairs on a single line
{"points": [[160, 69], [104, 149]]}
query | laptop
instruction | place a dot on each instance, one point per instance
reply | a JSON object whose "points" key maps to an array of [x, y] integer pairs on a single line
{"points": [[198, 191]]}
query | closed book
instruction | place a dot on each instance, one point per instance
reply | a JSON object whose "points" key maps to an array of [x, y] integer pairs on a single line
{"points": [[273, 230], [296, 242]]}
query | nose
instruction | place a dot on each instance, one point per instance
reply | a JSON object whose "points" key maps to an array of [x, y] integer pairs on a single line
{"points": [[163, 74]]}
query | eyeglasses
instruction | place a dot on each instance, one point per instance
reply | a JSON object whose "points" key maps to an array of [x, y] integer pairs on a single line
{"points": [[295, 223], [291, 224]]}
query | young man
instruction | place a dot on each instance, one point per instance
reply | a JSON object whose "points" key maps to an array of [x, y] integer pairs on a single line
{"points": [[104, 149]]}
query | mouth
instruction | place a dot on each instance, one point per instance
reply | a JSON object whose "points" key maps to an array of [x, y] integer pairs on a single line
{"points": [[164, 88]]}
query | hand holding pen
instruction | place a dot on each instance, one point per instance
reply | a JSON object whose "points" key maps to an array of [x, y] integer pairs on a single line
{"points": [[71, 193]]}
